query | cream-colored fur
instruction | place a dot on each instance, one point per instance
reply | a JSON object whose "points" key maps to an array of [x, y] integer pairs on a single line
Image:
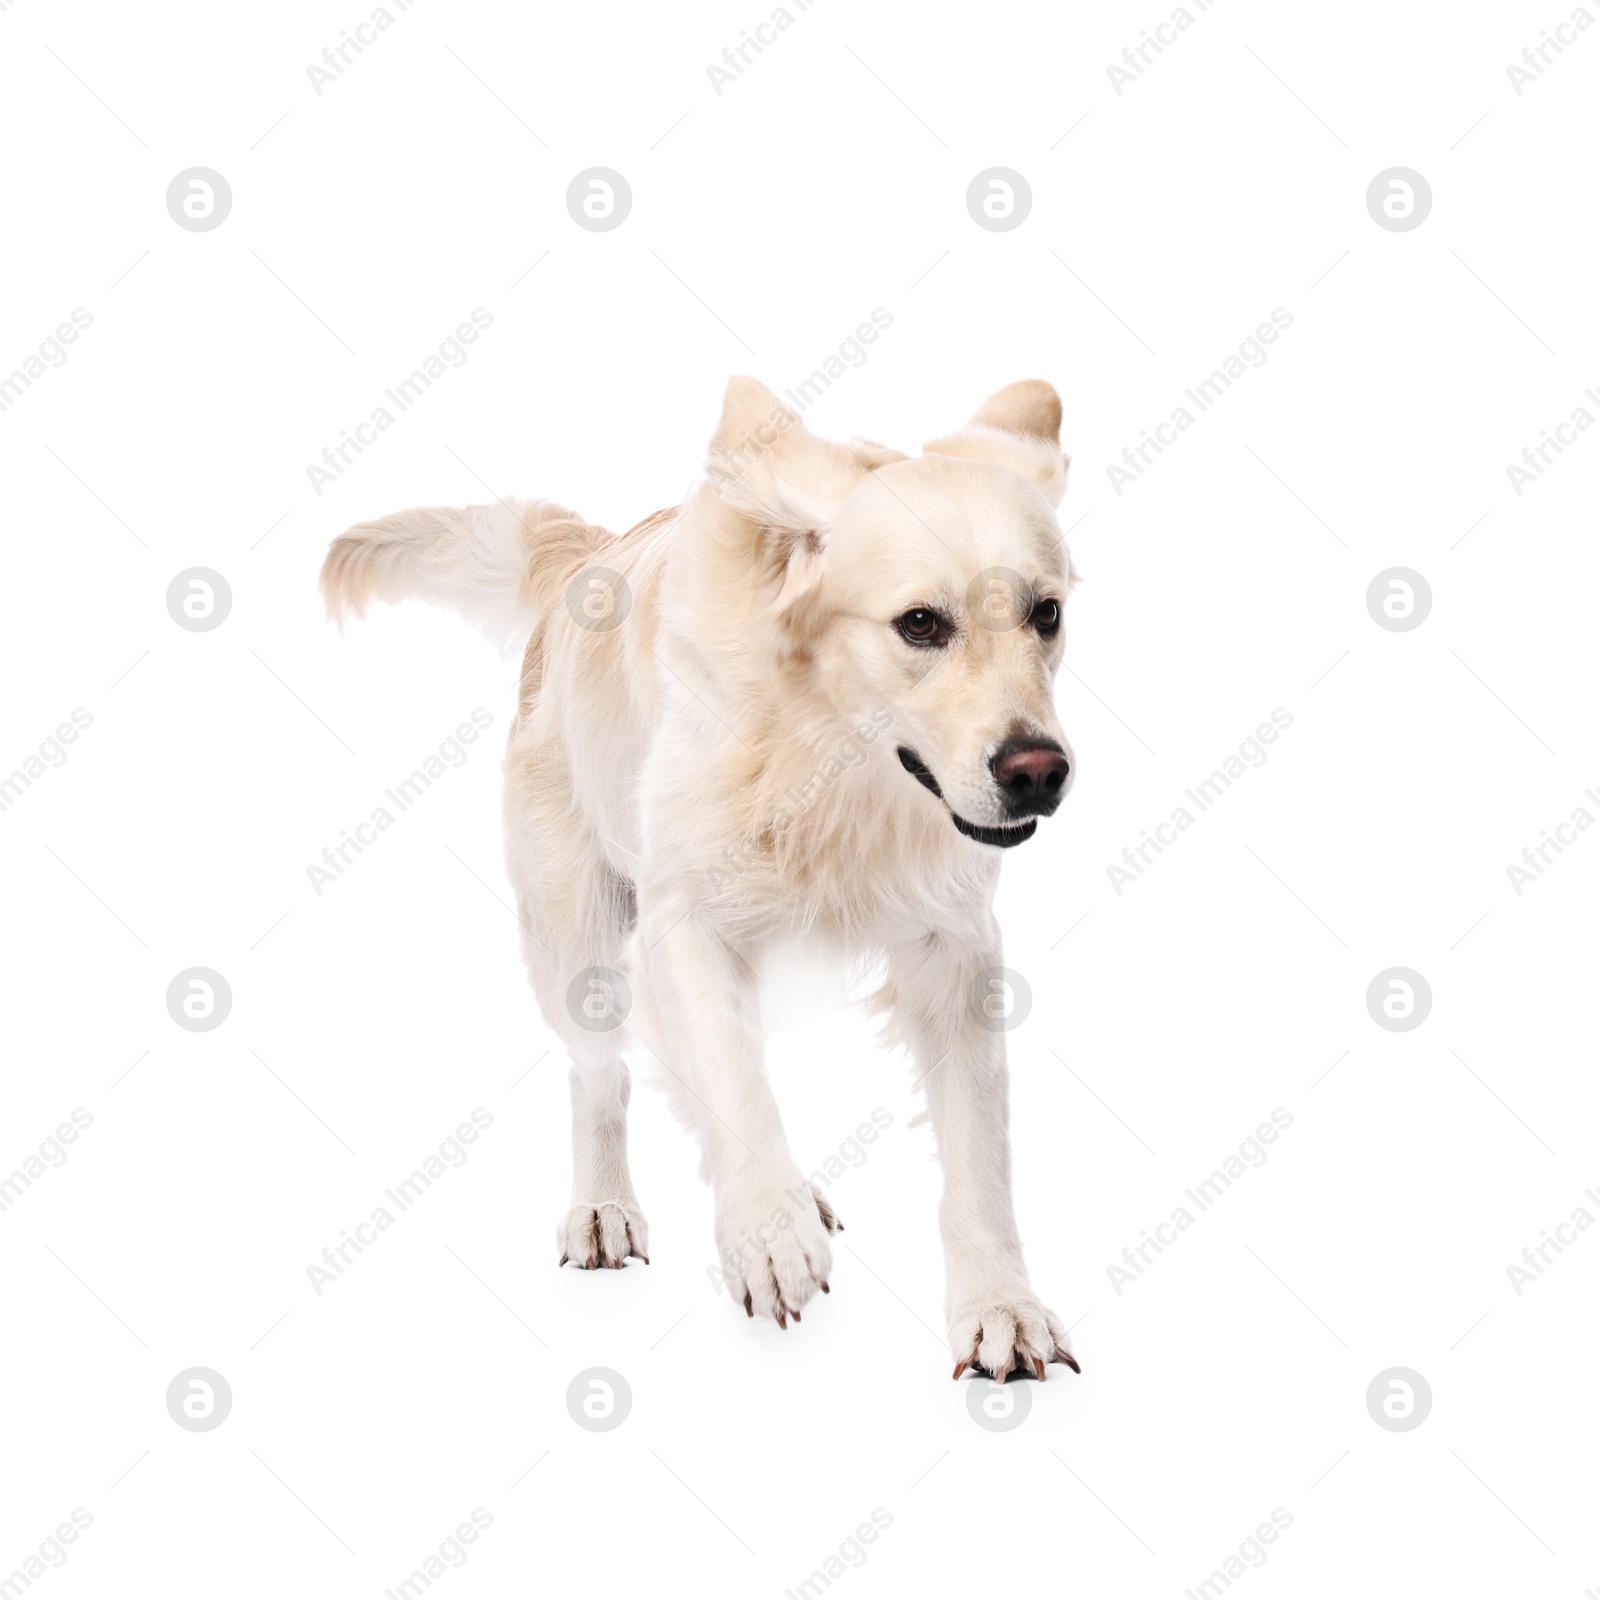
{"points": [[704, 760]]}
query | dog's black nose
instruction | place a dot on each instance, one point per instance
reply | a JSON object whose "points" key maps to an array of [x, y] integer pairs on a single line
{"points": [[1032, 774]]}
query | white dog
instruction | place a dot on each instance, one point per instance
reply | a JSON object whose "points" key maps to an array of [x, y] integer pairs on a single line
{"points": [[815, 697]]}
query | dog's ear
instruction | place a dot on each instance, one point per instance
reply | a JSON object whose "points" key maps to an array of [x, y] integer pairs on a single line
{"points": [[1031, 407], [1017, 427], [769, 467], [783, 481], [873, 455]]}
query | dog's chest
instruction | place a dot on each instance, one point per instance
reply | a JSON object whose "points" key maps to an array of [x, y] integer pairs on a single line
{"points": [[802, 977]]}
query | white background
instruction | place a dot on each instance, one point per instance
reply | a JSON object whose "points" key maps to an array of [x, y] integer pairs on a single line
{"points": [[768, 221]]}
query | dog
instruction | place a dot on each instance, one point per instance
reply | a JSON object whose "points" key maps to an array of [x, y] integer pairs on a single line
{"points": [[815, 698]]}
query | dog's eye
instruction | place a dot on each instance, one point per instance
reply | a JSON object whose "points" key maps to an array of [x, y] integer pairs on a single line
{"points": [[1046, 617], [923, 627]]}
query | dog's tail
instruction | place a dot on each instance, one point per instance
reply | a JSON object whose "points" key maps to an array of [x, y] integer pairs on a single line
{"points": [[500, 566]]}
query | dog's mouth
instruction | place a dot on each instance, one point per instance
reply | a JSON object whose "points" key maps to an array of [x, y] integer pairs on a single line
{"points": [[1002, 837]]}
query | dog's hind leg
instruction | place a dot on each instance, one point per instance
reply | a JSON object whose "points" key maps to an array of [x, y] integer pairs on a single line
{"points": [[584, 1000], [603, 1225], [575, 911]]}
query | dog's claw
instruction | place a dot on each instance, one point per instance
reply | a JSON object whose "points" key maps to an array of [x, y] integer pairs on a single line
{"points": [[588, 1265], [1066, 1359], [1038, 1366], [961, 1366], [795, 1315], [1001, 1376], [749, 1310], [563, 1261], [826, 1289], [783, 1322]]}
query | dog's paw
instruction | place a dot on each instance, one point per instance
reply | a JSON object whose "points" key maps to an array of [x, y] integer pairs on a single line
{"points": [[1007, 1332], [604, 1234], [774, 1249]]}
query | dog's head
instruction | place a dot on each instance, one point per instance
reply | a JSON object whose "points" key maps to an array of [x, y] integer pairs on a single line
{"points": [[931, 587]]}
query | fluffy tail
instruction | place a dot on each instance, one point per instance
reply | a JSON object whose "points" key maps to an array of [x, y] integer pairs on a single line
{"points": [[500, 566]]}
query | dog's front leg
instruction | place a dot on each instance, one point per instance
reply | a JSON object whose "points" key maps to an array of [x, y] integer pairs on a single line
{"points": [[947, 1010], [772, 1229]]}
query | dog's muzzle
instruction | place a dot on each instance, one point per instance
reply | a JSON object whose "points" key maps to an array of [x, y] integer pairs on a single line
{"points": [[1028, 793]]}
